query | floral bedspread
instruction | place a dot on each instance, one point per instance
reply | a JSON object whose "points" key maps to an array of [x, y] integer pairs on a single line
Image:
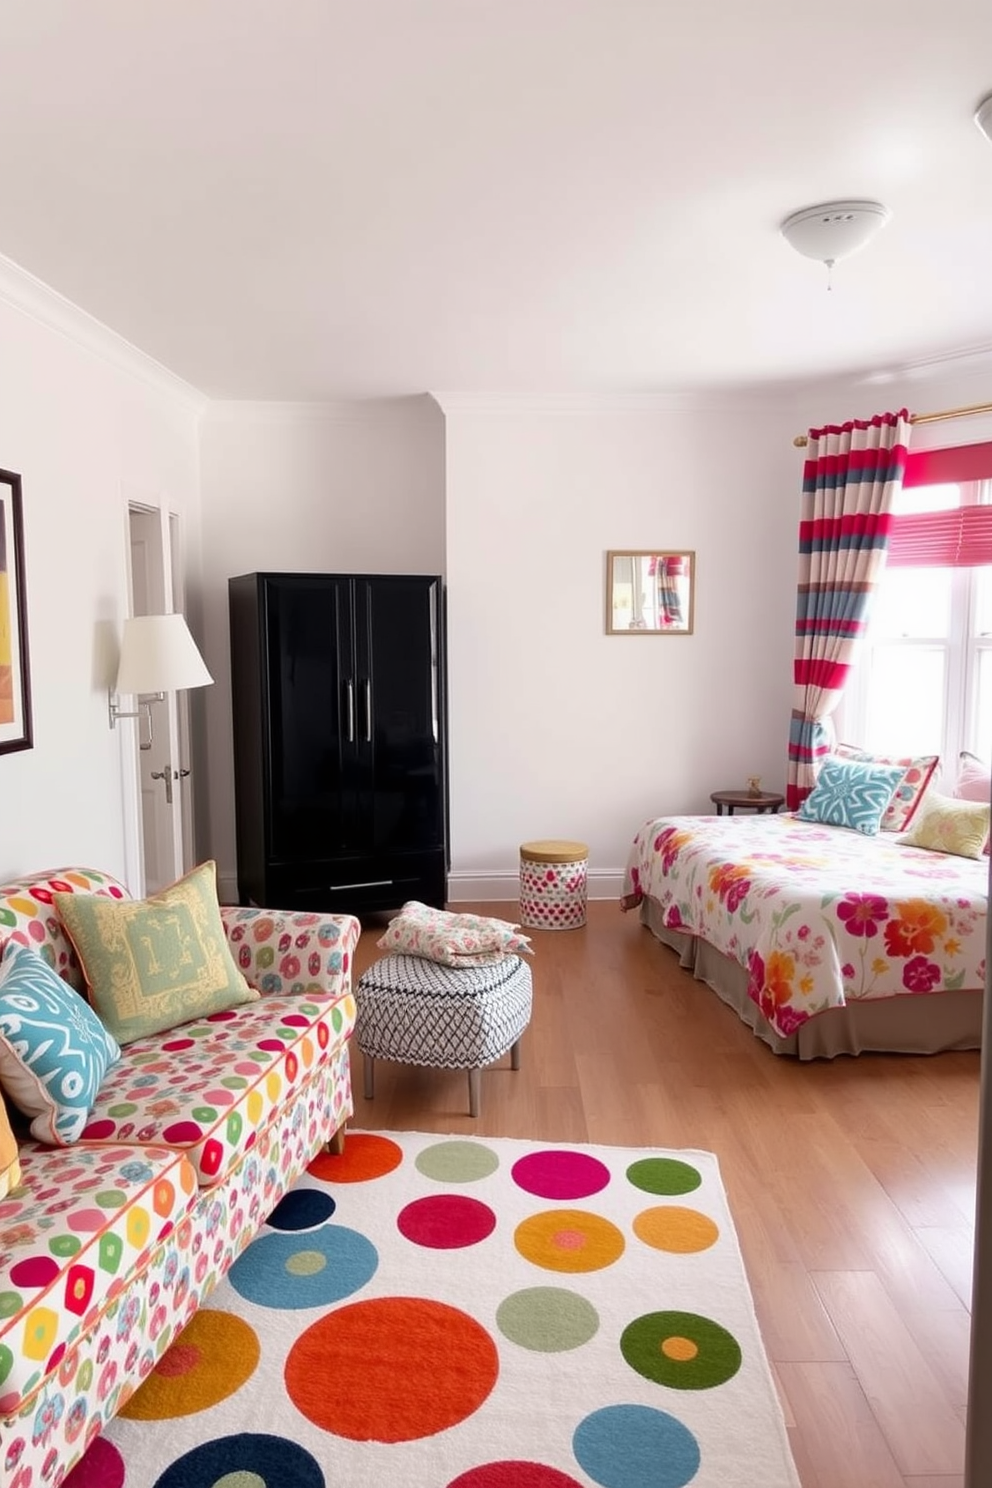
{"points": [[818, 916]]}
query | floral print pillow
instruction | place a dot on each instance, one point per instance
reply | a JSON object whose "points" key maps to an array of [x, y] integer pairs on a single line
{"points": [[452, 939]]}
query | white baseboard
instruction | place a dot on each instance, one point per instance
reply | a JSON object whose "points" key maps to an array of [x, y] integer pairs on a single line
{"points": [[503, 885]]}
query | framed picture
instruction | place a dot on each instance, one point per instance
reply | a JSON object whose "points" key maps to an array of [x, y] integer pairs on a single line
{"points": [[650, 593], [15, 687]]}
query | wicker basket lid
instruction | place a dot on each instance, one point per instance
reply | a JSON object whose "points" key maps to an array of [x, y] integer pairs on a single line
{"points": [[554, 850]]}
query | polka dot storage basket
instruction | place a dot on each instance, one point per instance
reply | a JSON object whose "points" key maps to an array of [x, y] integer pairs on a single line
{"points": [[553, 881]]}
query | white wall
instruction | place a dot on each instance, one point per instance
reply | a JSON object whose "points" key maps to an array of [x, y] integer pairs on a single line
{"points": [[557, 729], [86, 422], [350, 488]]}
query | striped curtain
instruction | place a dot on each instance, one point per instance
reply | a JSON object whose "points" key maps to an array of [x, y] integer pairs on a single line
{"points": [[850, 478]]}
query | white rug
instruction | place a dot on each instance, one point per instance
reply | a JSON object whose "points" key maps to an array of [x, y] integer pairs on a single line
{"points": [[433, 1312]]}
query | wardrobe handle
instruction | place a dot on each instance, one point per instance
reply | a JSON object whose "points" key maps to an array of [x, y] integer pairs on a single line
{"points": [[367, 684], [350, 692]]}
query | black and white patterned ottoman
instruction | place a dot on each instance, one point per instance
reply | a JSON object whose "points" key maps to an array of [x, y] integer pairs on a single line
{"points": [[417, 1011]]}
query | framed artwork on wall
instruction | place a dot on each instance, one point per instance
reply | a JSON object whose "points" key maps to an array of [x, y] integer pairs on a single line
{"points": [[15, 687], [650, 593]]}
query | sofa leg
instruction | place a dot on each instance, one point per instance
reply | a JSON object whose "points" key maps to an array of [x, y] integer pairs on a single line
{"points": [[336, 1145], [369, 1064], [515, 1056], [474, 1091]]}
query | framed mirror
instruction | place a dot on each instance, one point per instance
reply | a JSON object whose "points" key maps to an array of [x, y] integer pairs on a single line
{"points": [[650, 593]]}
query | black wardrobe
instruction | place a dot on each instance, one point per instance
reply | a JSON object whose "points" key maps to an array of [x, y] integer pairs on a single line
{"points": [[339, 740]]}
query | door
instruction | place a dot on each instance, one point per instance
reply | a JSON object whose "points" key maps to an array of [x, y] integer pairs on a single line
{"points": [[161, 743]]}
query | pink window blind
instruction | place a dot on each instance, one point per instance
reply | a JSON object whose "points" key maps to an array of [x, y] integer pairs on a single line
{"points": [[958, 538]]}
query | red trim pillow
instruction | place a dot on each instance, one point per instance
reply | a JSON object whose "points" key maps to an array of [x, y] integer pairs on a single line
{"points": [[908, 793]]}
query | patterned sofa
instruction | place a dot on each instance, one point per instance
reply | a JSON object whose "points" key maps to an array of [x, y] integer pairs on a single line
{"points": [[108, 1246]]}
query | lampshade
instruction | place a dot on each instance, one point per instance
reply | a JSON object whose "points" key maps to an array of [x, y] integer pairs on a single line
{"points": [[983, 117], [158, 654], [833, 230]]}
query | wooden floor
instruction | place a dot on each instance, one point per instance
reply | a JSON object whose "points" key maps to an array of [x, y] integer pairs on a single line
{"points": [[851, 1182]]}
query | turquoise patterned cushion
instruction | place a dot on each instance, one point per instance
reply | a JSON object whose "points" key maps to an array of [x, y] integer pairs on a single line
{"points": [[54, 1051], [850, 794]]}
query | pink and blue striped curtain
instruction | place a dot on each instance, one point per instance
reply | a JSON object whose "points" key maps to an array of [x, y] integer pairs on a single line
{"points": [[850, 478]]}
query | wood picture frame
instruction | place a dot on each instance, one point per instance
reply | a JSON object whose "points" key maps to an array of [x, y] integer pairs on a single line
{"points": [[650, 592], [15, 681]]}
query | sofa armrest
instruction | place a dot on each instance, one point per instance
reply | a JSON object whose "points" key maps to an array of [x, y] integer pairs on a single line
{"points": [[281, 952]]}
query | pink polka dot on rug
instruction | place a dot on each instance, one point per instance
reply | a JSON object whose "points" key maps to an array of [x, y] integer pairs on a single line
{"points": [[513, 1475], [560, 1175], [446, 1222], [101, 1467]]}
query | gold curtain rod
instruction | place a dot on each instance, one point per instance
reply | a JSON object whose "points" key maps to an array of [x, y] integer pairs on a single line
{"points": [[802, 440]]}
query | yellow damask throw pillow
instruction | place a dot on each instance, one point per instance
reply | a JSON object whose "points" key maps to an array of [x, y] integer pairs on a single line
{"points": [[950, 826], [153, 963]]}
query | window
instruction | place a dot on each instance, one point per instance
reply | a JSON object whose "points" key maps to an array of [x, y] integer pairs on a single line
{"points": [[923, 681]]}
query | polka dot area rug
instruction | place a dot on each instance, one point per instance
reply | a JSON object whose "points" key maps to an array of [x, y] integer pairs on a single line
{"points": [[433, 1312]]}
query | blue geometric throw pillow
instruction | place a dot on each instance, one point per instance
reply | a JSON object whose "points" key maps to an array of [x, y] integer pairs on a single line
{"points": [[850, 794], [54, 1051]]}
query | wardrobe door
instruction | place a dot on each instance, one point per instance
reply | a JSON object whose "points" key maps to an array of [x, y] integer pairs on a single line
{"points": [[311, 717], [399, 685]]}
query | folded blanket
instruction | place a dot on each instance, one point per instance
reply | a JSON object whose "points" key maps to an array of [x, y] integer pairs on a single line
{"points": [[452, 939]]}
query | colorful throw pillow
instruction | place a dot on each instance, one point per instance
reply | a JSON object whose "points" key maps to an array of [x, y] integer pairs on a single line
{"points": [[951, 826], [54, 1051], [974, 782], [10, 1167], [906, 797], [849, 794], [452, 939], [153, 963]]}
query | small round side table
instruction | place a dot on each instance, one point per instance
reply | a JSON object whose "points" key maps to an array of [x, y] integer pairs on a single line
{"points": [[743, 800]]}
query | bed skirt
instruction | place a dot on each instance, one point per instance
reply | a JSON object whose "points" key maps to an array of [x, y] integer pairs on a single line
{"points": [[916, 1024]]}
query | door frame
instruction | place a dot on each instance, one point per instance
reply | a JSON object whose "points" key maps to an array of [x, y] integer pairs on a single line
{"points": [[171, 715]]}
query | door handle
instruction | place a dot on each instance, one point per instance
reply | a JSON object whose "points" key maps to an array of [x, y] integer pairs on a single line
{"points": [[165, 774], [350, 695]]}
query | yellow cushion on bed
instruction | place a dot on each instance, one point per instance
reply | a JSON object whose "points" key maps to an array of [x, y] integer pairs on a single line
{"points": [[950, 826]]}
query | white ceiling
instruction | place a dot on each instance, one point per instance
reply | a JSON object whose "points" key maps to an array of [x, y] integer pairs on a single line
{"points": [[308, 199]]}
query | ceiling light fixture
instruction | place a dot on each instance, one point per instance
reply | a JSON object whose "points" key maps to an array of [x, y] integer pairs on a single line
{"points": [[834, 230], [983, 117]]}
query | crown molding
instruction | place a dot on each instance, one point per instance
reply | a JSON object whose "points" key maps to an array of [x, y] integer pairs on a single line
{"points": [[328, 411], [699, 401], [31, 297]]}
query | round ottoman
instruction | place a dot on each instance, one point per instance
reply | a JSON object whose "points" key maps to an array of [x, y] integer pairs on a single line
{"points": [[417, 1011], [553, 878]]}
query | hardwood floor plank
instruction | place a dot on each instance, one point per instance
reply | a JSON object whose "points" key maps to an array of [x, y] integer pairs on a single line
{"points": [[924, 1433], [838, 1443]]}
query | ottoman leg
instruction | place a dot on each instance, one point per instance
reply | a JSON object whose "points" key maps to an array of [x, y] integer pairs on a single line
{"points": [[474, 1091], [369, 1064], [515, 1056]]}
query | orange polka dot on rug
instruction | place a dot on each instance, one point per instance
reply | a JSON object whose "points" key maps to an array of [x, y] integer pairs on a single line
{"points": [[676, 1229], [211, 1359], [423, 1367], [365, 1157], [569, 1240]]}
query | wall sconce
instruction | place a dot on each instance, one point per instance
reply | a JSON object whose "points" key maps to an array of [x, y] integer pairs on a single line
{"points": [[158, 655]]}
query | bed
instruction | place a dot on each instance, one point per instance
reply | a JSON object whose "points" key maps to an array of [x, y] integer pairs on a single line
{"points": [[823, 940]]}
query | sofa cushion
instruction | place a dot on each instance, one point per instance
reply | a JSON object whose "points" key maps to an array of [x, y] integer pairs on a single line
{"points": [[54, 1051], [209, 1086], [27, 914], [82, 1222], [151, 964]]}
